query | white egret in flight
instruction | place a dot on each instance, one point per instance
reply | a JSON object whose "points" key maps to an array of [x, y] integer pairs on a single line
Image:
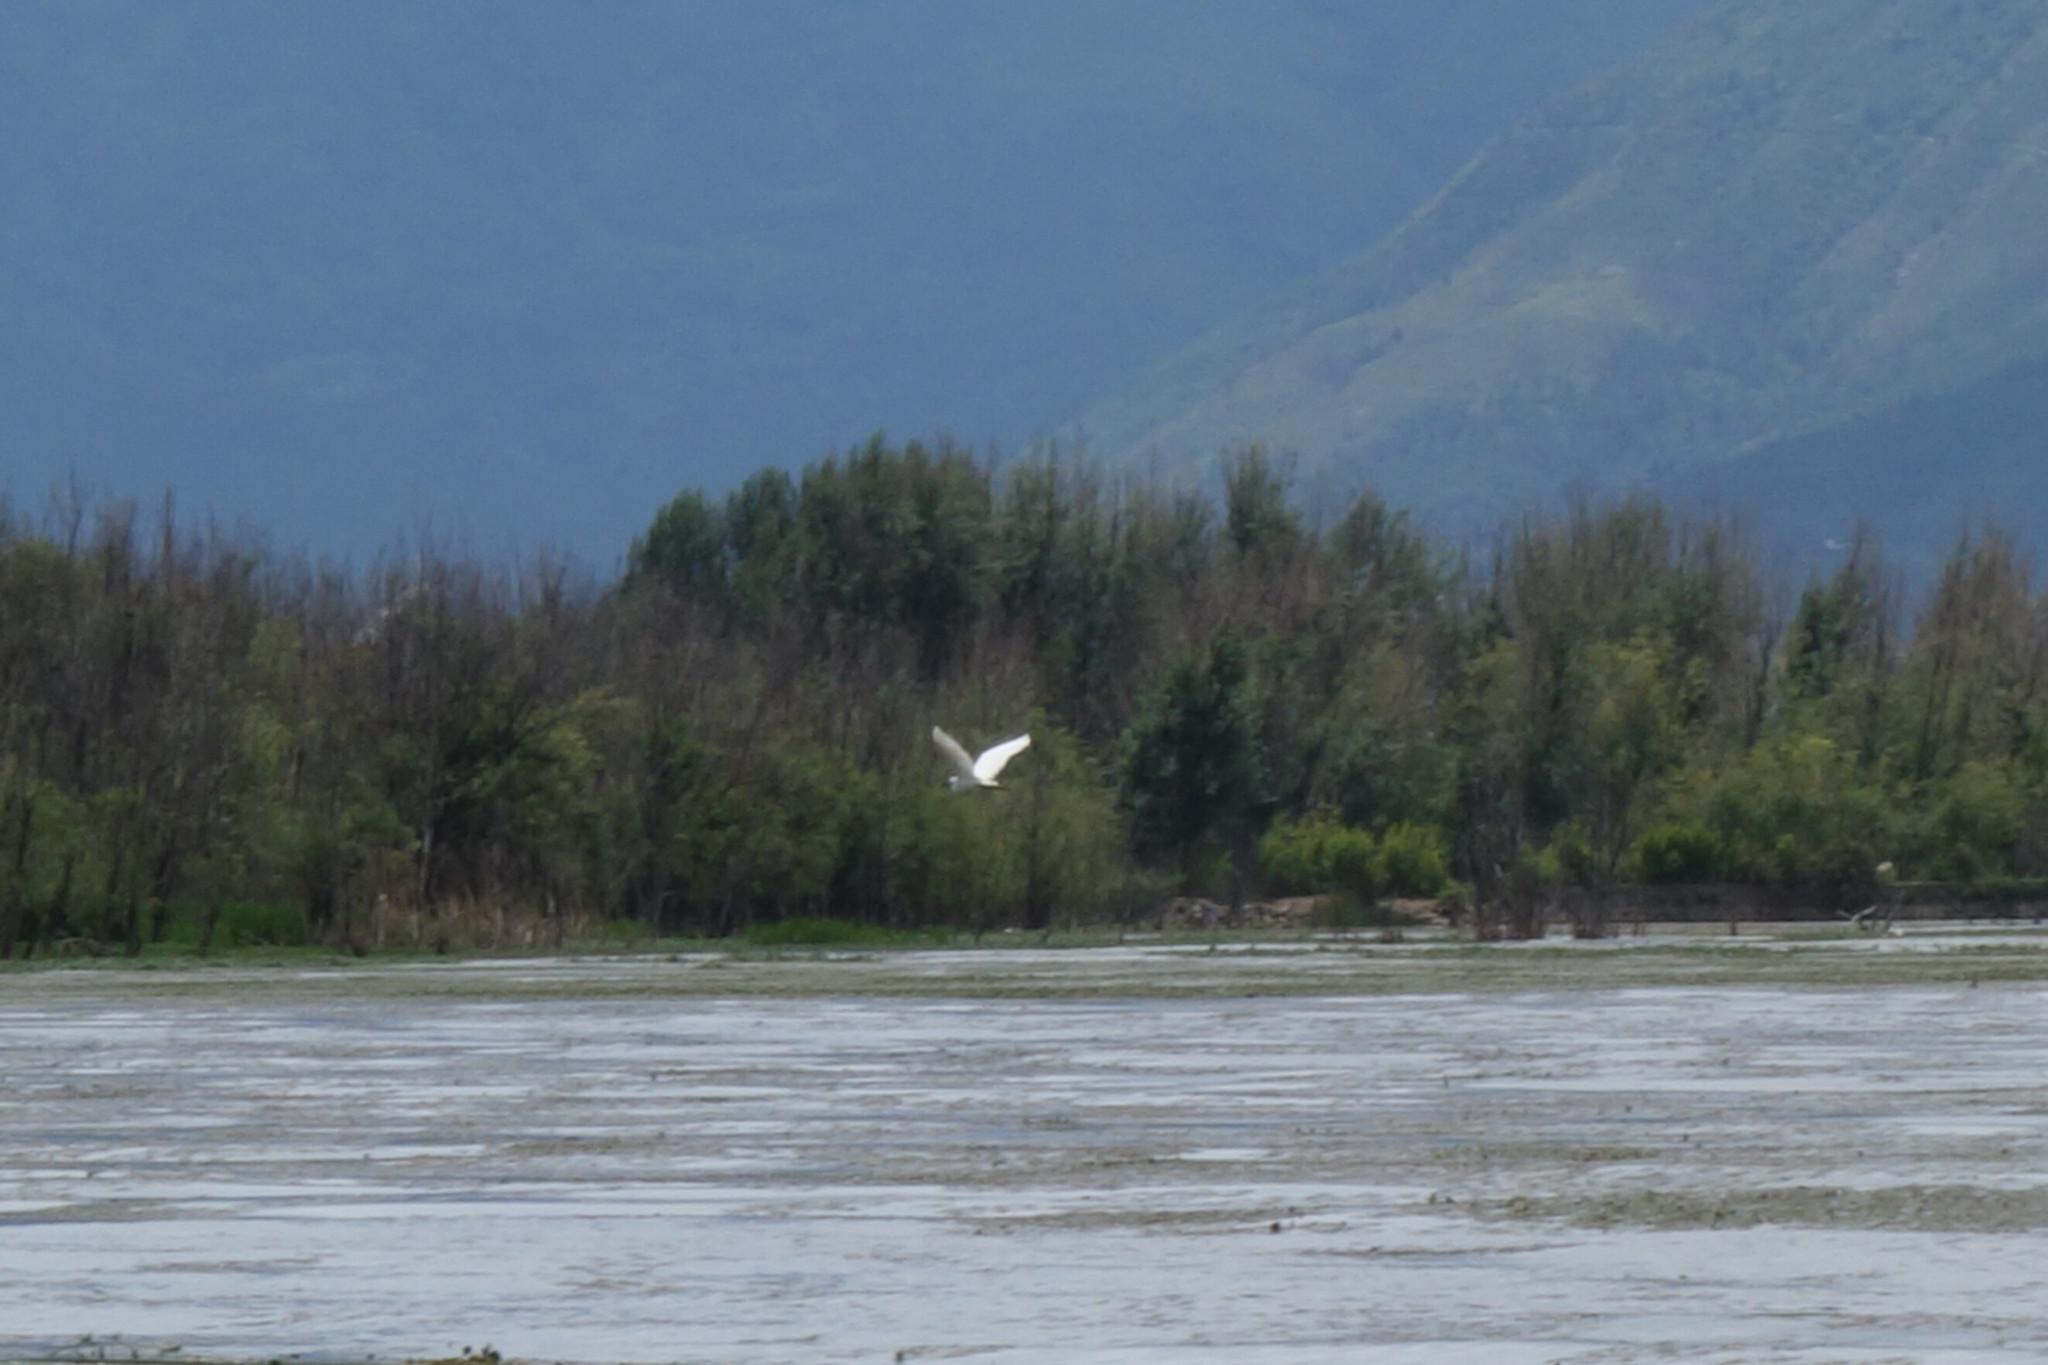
{"points": [[980, 771]]}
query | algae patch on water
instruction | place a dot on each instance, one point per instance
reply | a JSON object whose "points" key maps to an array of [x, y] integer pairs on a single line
{"points": [[1898, 1208]]}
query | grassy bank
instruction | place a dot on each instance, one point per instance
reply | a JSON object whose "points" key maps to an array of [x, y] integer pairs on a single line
{"points": [[1093, 965]]}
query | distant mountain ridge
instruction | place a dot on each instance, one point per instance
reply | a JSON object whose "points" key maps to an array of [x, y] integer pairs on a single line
{"points": [[527, 266], [1772, 232]]}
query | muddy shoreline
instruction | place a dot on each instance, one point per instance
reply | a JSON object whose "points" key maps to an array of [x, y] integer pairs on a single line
{"points": [[1185, 968], [1379, 1153]]}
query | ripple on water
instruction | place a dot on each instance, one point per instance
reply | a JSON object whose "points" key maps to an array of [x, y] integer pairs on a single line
{"points": [[1704, 1174]]}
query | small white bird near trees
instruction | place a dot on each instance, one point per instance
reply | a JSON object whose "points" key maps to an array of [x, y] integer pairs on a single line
{"points": [[971, 774]]}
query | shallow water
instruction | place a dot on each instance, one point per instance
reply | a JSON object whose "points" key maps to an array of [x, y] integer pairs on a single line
{"points": [[1710, 1174]]}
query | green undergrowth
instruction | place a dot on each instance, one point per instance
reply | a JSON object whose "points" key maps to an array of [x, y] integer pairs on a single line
{"points": [[806, 960]]}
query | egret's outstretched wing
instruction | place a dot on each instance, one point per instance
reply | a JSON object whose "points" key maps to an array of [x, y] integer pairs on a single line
{"points": [[950, 750], [995, 756]]}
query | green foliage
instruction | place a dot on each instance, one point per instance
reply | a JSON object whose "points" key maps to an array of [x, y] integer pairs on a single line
{"points": [[1795, 812], [1256, 517], [1234, 703], [1353, 863], [953, 858], [1415, 860], [761, 540], [1818, 648], [1679, 851], [897, 538], [1073, 849], [763, 839], [1190, 763], [1287, 859], [1569, 857], [684, 546], [258, 924], [1975, 825], [1319, 855]]}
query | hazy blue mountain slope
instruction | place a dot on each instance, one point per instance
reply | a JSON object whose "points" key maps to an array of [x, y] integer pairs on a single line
{"points": [[529, 266], [1779, 218], [1926, 471]]}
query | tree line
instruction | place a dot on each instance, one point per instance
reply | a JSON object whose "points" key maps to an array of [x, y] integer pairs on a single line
{"points": [[1230, 695]]}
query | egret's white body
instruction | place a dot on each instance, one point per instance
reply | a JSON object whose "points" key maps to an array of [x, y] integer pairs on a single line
{"points": [[971, 774]]}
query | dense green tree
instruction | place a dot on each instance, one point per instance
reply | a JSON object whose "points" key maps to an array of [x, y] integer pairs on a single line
{"points": [[1191, 772], [202, 739], [685, 546]]}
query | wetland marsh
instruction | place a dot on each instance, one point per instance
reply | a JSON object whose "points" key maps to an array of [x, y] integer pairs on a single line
{"points": [[1789, 1150]]}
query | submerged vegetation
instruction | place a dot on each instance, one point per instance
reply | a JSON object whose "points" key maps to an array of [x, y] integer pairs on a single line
{"points": [[204, 741]]}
